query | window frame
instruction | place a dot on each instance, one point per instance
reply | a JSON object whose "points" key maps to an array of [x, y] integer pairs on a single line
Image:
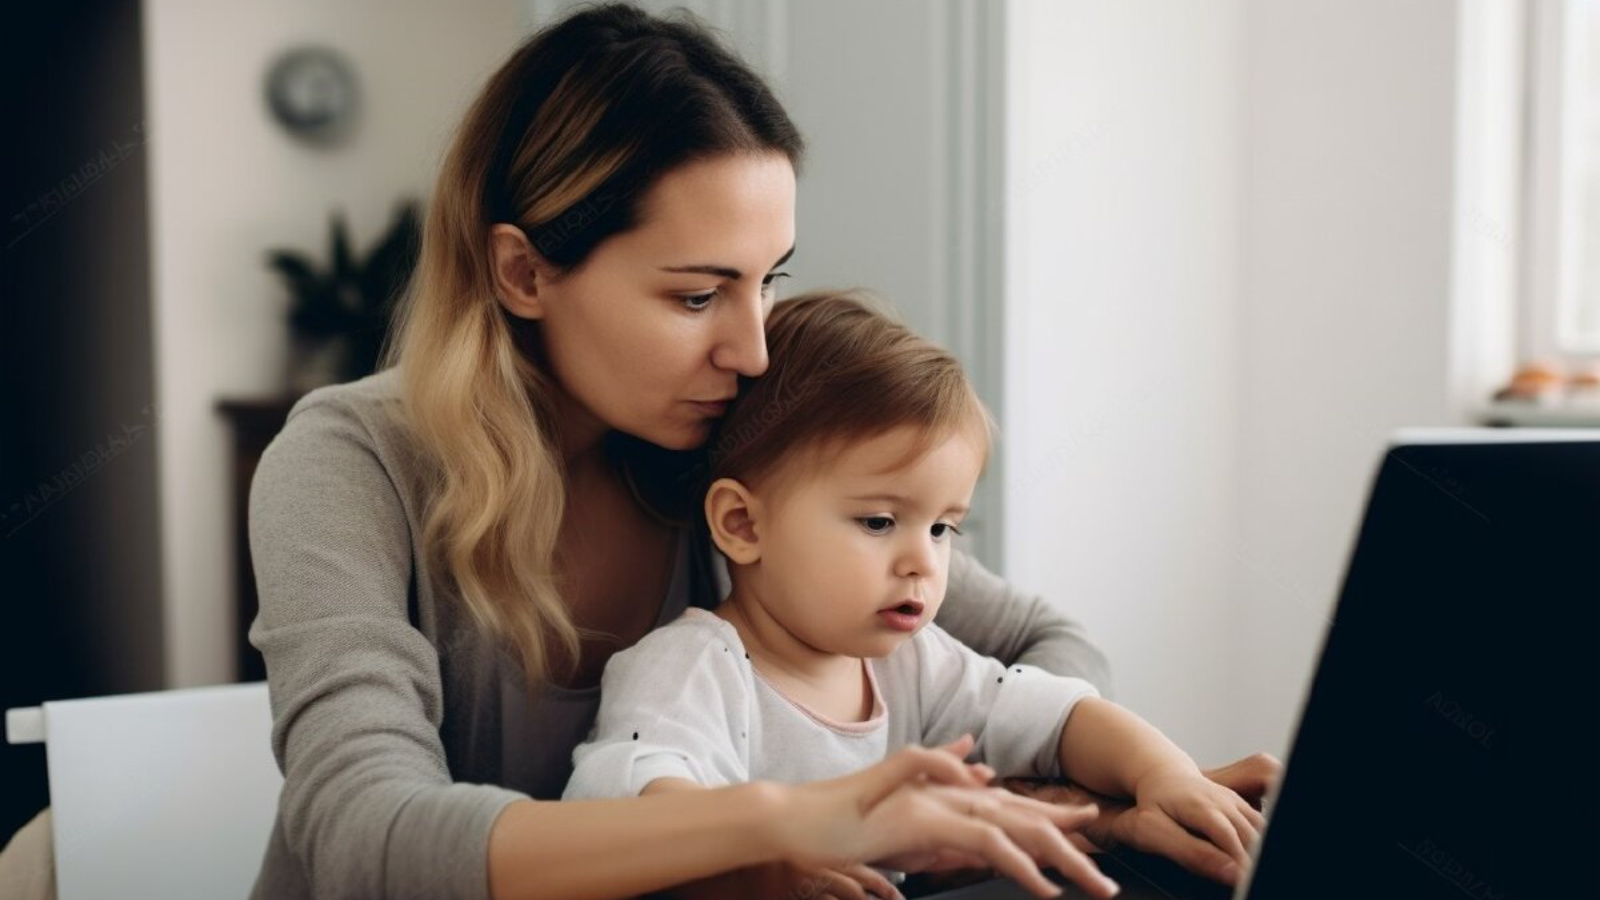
{"points": [[1547, 270]]}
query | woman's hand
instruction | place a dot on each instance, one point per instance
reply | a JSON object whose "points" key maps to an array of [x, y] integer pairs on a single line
{"points": [[921, 808], [1251, 778], [785, 881], [1121, 825]]}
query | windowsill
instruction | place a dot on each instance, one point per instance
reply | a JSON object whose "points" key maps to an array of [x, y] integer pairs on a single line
{"points": [[1537, 415]]}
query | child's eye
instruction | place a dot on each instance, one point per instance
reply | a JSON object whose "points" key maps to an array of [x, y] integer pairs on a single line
{"points": [[876, 524], [941, 528]]}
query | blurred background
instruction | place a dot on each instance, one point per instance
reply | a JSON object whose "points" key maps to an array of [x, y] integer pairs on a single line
{"points": [[1200, 257]]}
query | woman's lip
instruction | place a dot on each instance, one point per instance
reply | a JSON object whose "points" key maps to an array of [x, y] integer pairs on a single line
{"points": [[709, 408]]}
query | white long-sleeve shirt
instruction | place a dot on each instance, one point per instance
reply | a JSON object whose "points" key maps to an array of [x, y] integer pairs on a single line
{"points": [[686, 702]]}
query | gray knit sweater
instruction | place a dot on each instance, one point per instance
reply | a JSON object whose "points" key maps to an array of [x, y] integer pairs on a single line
{"points": [[401, 733]]}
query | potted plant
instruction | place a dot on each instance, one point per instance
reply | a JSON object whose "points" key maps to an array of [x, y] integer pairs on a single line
{"points": [[338, 318]]}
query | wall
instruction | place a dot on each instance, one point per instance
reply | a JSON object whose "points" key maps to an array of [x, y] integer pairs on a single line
{"points": [[226, 185], [1347, 212], [1121, 338]]}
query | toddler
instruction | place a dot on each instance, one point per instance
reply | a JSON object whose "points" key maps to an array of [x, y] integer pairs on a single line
{"points": [[838, 481]]}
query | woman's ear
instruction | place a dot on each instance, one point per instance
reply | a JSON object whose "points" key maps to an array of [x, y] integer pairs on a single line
{"points": [[521, 274], [731, 511]]}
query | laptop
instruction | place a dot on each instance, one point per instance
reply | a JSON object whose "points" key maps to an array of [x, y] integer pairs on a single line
{"points": [[1449, 744]]}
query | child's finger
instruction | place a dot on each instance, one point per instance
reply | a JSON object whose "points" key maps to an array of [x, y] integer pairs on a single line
{"points": [[1247, 832], [1199, 856], [910, 764], [961, 746], [1214, 824], [1253, 815]]}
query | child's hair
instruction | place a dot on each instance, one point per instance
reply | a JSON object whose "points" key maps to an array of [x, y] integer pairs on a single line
{"points": [[842, 371]]}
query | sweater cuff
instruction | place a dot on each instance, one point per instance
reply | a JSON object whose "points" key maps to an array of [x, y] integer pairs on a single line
{"points": [[439, 842]]}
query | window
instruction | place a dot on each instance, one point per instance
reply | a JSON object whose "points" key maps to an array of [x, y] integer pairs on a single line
{"points": [[1560, 280]]}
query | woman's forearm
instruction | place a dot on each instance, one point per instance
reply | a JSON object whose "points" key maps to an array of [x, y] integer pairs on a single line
{"points": [[1107, 749], [608, 849]]}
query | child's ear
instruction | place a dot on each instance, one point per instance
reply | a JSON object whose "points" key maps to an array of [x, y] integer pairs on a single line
{"points": [[731, 511]]}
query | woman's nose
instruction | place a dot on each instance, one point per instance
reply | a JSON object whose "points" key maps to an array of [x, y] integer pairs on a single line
{"points": [[742, 344]]}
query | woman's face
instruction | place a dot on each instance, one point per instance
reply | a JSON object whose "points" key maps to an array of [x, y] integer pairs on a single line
{"points": [[650, 333]]}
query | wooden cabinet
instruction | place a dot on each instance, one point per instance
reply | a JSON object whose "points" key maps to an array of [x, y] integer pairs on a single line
{"points": [[253, 423]]}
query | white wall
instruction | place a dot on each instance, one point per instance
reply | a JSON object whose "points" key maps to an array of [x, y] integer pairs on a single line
{"points": [[225, 186], [1231, 276], [1121, 338], [1348, 161]]}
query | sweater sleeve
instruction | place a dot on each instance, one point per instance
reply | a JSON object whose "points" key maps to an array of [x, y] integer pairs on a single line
{"points": [[674, 705], [368, 806], [984, 612], [1015, 712]]}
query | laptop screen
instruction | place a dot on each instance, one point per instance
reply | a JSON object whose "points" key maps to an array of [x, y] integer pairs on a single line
{"points": [[1449, 743]]}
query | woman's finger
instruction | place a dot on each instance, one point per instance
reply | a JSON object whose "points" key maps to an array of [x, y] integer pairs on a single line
{"points": [[821, 883], [1070, 816], [1045, 843], [992, 843], [1252, 777], [874, 881], [941, 860]]}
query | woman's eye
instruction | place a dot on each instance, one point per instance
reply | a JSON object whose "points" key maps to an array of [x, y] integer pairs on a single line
{"points": [[876, 524], [940, 529], [697, 302], [769, 283]]}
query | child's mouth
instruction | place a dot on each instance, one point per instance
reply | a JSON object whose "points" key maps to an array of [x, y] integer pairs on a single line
{"points": [[904, 617]]}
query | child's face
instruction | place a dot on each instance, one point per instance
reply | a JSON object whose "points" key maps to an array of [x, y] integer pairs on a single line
{"points": [[853, 558]]}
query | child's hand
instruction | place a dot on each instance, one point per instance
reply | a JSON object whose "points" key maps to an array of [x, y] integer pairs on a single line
{"points": [[1202, 807]]}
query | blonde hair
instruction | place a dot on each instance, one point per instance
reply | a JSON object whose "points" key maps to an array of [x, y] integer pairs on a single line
{"points": [[564, 141]]}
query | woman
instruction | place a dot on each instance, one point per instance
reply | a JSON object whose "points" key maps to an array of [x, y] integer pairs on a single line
{"points": [[449, 551]]}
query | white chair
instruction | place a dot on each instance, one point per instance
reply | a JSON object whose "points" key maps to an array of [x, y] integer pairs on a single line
{"points": [[167, 794]]}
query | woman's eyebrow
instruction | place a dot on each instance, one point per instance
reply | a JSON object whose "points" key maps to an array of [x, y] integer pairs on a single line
{"points": [[721, 271]]}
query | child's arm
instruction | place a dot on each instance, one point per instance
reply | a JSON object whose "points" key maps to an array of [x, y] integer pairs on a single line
{"points": [[1108, 749], [1111, 751]]}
